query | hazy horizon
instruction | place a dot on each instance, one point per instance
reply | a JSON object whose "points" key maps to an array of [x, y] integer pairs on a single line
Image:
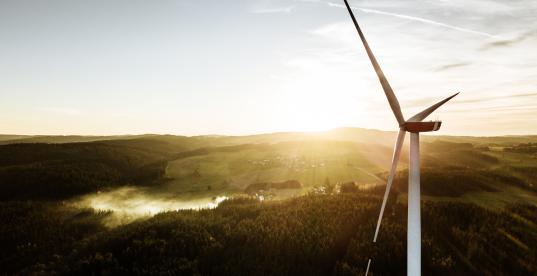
{"points": [[259, 133], [264, 66]]}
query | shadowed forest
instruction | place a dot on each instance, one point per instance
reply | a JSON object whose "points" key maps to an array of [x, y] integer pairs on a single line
{"points": [[273, 204]]}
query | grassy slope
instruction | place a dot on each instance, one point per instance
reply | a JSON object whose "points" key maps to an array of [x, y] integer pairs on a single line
{"points": [[482, 176], [311, 163]]}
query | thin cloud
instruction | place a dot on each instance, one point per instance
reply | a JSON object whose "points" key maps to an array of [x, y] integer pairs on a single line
{"points": [[459, 101], [509, 42], [451, 66], [508, 108], [417, 19], [521, 95], [274, 10]]}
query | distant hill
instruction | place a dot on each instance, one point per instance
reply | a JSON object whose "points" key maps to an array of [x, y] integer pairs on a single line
{"points": [[229, 164], [7, 137], [60, 139], [485, 140], [358, 135]]}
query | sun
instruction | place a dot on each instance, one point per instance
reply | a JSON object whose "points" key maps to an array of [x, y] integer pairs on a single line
{"points": [[317, 106]]}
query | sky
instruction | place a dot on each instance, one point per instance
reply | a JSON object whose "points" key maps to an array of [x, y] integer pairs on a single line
{"points": [[236, 67]]}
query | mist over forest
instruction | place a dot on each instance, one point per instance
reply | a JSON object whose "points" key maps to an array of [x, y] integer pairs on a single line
{"points": [[271, 204]]}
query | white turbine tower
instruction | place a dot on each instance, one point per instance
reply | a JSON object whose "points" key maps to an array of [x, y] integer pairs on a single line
{"points": [[414, 125]]}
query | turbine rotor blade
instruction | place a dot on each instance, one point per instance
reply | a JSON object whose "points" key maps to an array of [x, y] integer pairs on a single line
{"points": [[392, 100], [422, 115], [395, 160]]}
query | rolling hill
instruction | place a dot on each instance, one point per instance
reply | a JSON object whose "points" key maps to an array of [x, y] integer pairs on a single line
{"points": [[293, 203], [226, 165]]}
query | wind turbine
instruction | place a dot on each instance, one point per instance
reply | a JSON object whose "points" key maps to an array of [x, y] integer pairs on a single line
{"points": [[414, 125]]}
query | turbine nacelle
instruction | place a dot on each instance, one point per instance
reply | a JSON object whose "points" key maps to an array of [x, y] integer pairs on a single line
{"points": [[415, 124], [415, 127]]}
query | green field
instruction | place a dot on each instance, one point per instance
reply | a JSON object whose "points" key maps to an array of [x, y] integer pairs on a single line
{"points": [[311, 163]]}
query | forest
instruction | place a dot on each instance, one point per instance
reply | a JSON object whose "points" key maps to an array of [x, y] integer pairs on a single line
{"points": [[59, 171], [309, 235], [479, 207]]}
